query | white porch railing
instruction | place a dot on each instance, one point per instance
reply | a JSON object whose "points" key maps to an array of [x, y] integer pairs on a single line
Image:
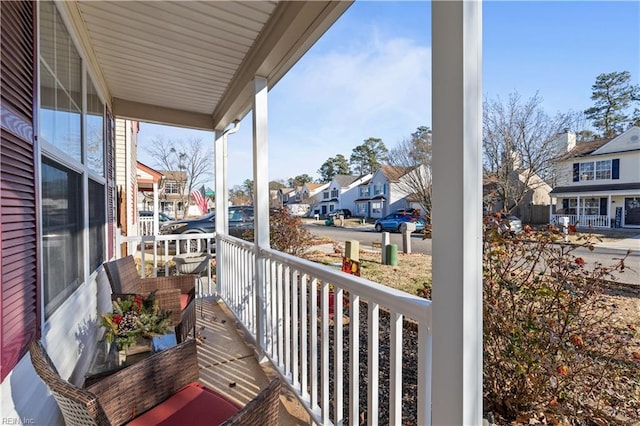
{"points": [[156, 252], [584, 220], [145, 226], [319, 354]]}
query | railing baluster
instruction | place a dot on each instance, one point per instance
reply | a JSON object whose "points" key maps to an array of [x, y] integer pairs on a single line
{"points": [[424, 374], [338, 363], [304, 329], [395, 375], [287, 322], [295, 289], [354, 359], [373, 361], [313, 352], [324, 322]]}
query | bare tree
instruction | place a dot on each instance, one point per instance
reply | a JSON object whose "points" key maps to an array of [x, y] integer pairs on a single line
{"points": [[188, 157], [412, 157], [519, 145]]}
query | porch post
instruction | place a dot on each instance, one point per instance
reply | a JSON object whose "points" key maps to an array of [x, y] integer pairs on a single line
{"points": [[260, 200], [221, 202], [457, 212], [578, 211], [609, 211], [156, 207]]}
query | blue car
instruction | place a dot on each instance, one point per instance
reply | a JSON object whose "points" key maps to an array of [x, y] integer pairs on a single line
{"points": [[393, 221]]}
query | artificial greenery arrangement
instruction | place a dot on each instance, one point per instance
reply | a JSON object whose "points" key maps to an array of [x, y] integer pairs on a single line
{"points": [[132, 317]]}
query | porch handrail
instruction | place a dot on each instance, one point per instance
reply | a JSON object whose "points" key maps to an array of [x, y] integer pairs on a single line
{"points": [[584, 220], [296, 330]]}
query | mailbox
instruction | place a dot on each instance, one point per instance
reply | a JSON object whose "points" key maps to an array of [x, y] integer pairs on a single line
{"points": [[564, 221], [407, 227]]}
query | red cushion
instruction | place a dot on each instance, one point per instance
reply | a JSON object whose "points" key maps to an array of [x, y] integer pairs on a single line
{"points": [[192, 405], [184, 301]]}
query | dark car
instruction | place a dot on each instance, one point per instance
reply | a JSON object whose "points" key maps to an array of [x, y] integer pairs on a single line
{"points": [[162, 217], [346, 213], [393, 221], [240, 220]]}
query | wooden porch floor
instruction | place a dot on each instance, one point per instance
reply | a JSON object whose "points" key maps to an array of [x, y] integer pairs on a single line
{"points": [[229, 366]]}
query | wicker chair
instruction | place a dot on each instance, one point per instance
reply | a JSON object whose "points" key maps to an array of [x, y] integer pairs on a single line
{"points": [[162, 388], [174, 293]]}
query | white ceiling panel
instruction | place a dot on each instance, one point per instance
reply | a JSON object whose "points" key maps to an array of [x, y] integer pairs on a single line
{"points": [[195, 57]]}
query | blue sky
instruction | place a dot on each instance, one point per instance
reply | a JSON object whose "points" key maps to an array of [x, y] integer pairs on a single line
{"points": [[370, 76]]}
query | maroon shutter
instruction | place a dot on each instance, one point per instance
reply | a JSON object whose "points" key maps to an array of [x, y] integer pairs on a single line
{"points": [[19, 273], [111, 187]]}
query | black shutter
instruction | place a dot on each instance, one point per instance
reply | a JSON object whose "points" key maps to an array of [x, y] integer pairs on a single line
{"points": [[615, 168], [603, 206], [20, 309], [576, 172]]}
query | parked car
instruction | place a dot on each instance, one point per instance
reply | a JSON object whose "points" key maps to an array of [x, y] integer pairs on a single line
{"points": [[393, 221], [240, 220], [344, 212], [506, 223], [162, 217]]}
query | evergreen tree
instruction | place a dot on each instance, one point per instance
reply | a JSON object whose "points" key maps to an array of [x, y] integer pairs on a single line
{"points": [[337, 165], [613, 94], [368, 157]]}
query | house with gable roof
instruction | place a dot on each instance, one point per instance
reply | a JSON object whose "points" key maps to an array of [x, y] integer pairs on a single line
{"points": [[599, 182], [341, 193], [388, 191]]}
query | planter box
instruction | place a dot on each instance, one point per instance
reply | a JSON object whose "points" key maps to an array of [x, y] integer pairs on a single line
{"points": [[191, 263]]}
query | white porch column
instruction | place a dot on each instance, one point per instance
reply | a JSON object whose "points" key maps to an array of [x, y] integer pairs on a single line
{"points": [[609, 211], [457, 212], [260, 198], [221, 184], [579, 210], [156, 208]]}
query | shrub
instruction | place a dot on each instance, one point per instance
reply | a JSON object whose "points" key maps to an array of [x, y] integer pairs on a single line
{"points": [[287, 232], [547, 345]]}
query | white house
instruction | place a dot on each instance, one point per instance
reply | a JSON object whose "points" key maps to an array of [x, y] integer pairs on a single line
{"points": [[341, 193], [599, 182], [389, 189]]}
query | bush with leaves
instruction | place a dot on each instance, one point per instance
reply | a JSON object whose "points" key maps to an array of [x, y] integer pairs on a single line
{"points": [[287, 232], [548, 345]]}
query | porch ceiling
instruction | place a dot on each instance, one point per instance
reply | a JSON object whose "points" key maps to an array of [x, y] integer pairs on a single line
{"points": [[191, 63]]}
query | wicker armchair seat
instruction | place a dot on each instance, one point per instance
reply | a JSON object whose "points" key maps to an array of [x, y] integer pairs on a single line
{"points": [[162, 388], [174, 293]]}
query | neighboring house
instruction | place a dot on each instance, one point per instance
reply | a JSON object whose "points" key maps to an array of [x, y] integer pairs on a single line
{"points": [[387, 191], [285, 195], [534, 205], [341, 193], [127, 174], [149, 181], [306, 199], [599, 182], [173, 194]]}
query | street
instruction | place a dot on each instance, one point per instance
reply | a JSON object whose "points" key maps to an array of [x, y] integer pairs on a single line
{"points": [[366, 236]]}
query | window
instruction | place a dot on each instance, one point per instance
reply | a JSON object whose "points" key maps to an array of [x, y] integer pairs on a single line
{"points": [[334, 193], [172, 188], [590, 206], [61, 233], [364, 191], [68, 137], [376, 207], [603, 169], [586, 171], [60, 85], [594, 170], [95, 130], [325, 195]]}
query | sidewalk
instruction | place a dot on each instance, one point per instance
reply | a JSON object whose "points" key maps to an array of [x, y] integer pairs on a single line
{"points": [[632, 243]]}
